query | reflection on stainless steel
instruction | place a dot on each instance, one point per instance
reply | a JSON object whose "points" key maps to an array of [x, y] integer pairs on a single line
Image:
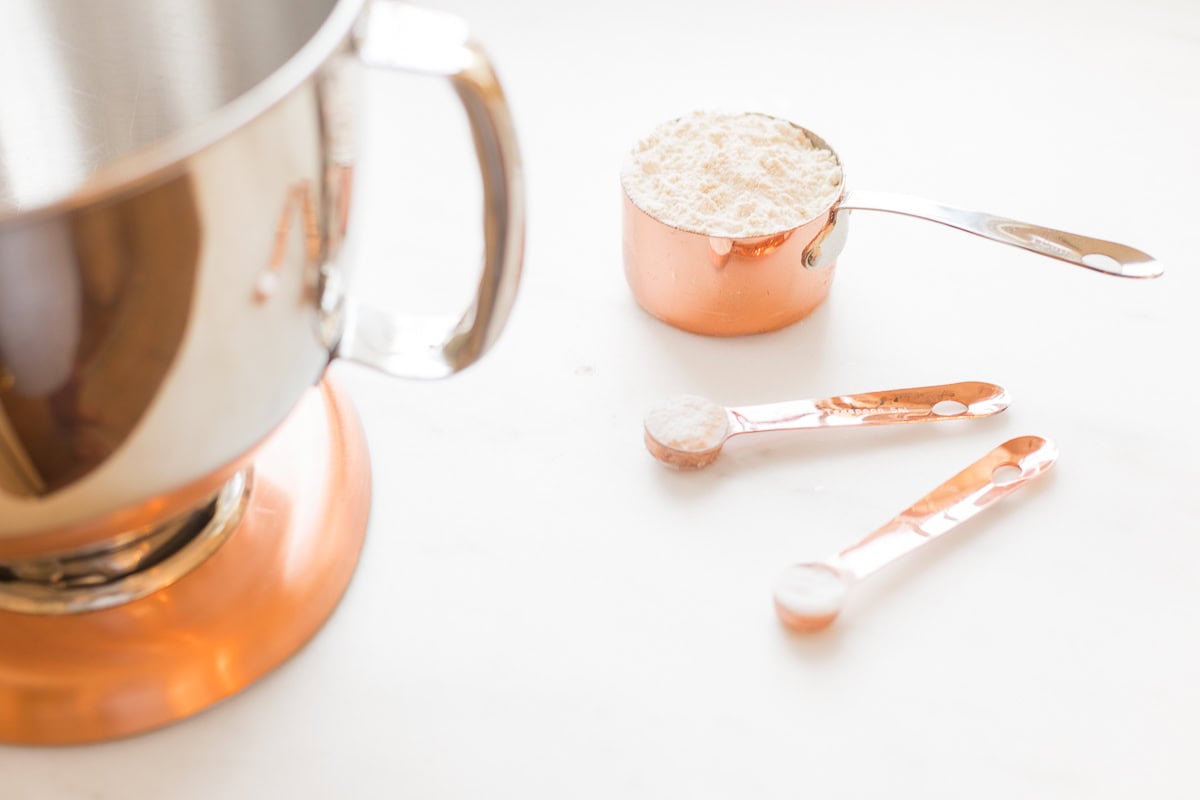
{"points": [[299, 205], [92, 82], [1115, 259], [131, 566], [156, 160], [94, 316], [957, 500]]}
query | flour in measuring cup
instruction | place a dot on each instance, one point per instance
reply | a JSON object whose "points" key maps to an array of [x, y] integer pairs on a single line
{"points": [[731, 175]]}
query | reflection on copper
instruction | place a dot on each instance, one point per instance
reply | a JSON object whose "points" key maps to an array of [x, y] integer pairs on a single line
{"points": [[721, 286], [953, 502], [299, 202], [254, 602], [108, 529], [759, 245], [942, 403]]}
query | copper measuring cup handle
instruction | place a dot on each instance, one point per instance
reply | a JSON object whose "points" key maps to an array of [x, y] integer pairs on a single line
{"points": [[397, 36], [1100, 255], [966, 400], [966, 494]]}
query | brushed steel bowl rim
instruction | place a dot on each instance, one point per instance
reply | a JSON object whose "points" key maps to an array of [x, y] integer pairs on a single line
{"points": [[126, 172], [824, 212]]}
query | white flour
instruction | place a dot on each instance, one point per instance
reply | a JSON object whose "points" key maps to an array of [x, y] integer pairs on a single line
{"points": [[689, 423], [732, 175], [811, 591]]}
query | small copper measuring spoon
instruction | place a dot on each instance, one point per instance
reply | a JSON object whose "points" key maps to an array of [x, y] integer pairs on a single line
{"points": [[689, 431], [810, 596]]}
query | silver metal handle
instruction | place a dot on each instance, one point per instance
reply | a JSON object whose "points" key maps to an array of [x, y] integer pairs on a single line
{"points": [[1100, 255], [394, 35]]}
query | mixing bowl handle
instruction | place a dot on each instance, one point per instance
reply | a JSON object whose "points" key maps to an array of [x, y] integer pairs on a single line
{"points": [[395, 35]]}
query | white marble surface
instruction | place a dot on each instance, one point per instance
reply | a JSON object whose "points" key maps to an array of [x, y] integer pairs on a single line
{"points": [[543, 611]]}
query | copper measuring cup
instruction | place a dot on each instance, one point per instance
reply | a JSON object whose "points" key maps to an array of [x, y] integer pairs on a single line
{"points": [[722, 286]]}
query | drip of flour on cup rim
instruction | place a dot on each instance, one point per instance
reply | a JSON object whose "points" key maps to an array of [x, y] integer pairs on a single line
{"points": [[731, 175]]}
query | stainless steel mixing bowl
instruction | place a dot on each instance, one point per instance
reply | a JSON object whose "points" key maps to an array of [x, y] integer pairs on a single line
{"points": [[174, 189]]}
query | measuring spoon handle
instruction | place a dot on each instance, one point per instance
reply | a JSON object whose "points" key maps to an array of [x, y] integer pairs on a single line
{"points": [[957, 500], [1100, 255], [966, 400]]}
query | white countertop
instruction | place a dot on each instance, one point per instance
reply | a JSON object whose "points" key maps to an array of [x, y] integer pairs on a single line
{"points": [[544, 611]]}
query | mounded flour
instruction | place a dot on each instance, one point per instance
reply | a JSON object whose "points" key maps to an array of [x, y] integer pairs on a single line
{"points": [[689, 423], [811, 591], [731, 175]]}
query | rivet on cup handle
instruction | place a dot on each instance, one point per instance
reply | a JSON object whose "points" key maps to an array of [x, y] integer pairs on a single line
{"points": [[394, 35]]}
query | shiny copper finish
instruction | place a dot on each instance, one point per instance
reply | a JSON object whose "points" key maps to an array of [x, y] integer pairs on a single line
{"points": [[809, 596], [727, 286], [803, 623], [720, 286], [261, 596], [955, 401]]}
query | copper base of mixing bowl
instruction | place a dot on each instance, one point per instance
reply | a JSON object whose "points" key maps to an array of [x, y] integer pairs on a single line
{"points": [[276, 576]]}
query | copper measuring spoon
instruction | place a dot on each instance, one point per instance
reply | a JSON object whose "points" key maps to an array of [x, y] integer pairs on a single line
{"points": [[809, 596], [688, 432]]}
